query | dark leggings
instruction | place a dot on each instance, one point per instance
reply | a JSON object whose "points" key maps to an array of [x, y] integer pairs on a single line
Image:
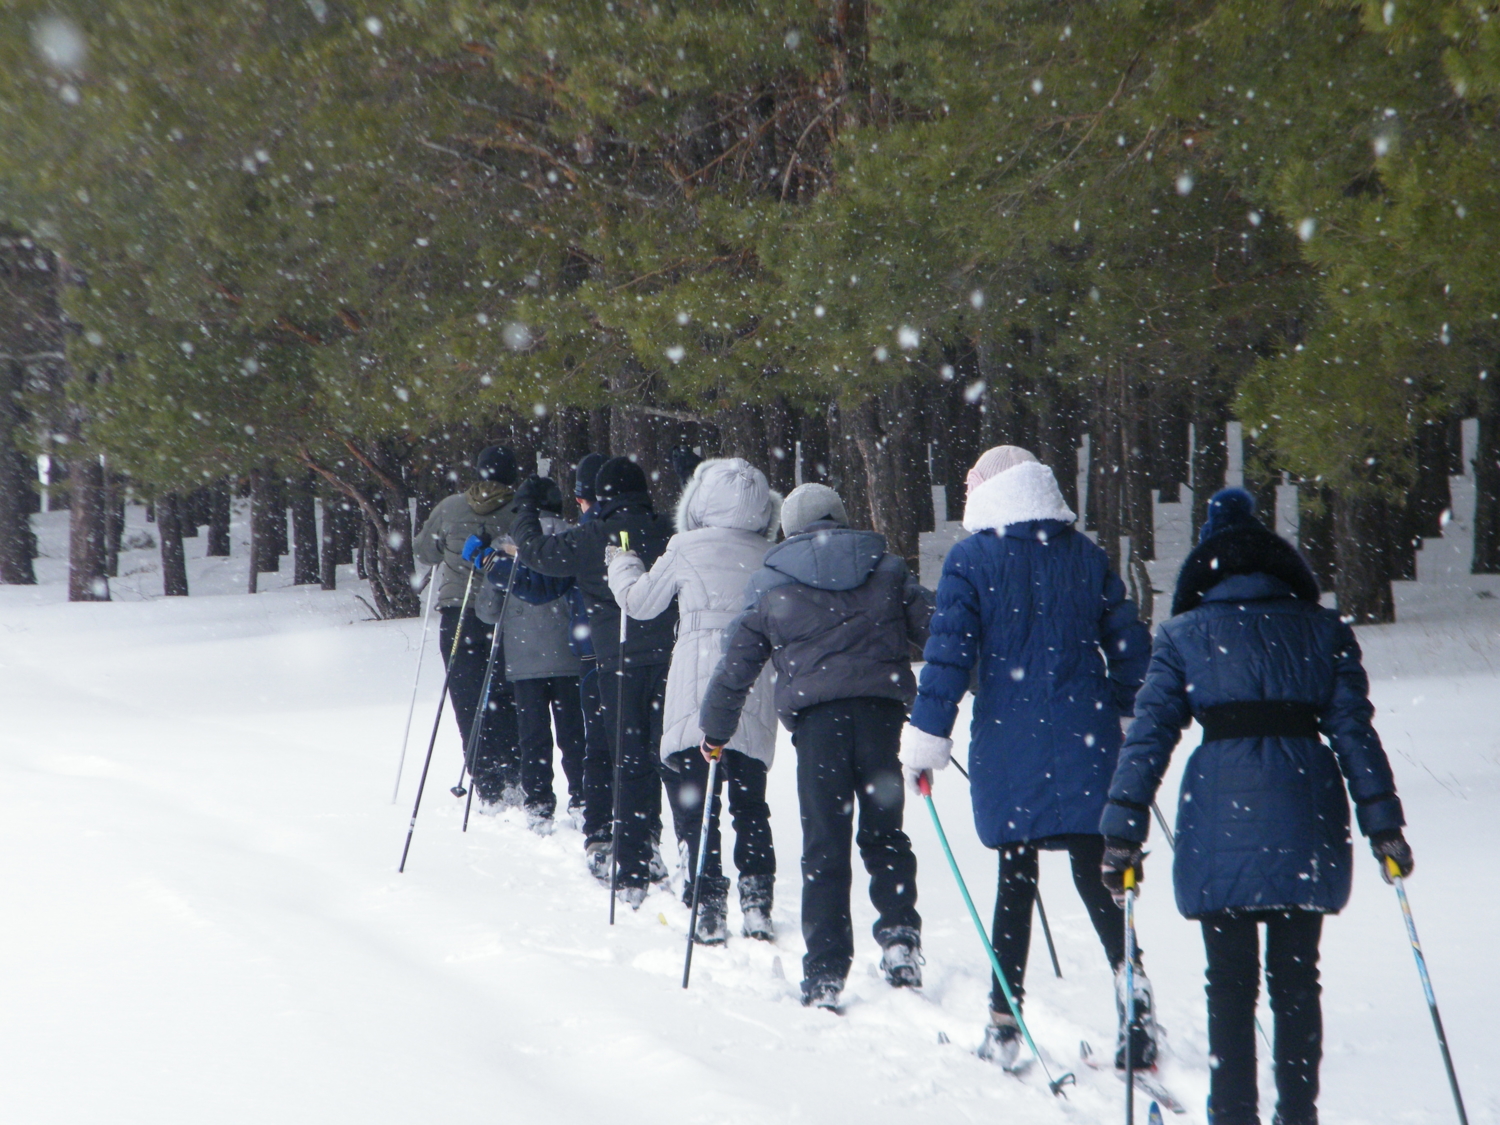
{"points": [[754, 853], [496, 763], [1233, 947], [1017, 893]]}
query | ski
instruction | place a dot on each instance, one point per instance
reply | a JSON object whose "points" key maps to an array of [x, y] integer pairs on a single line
{"points": [[1154, 1117], [1145, 1081]]}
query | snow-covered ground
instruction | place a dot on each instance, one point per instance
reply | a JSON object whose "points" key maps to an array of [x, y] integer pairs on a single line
{"points": [[203, 920]]}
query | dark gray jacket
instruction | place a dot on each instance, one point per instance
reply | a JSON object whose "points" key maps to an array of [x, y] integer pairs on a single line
{"points": [[534, 638], [838, 618]]}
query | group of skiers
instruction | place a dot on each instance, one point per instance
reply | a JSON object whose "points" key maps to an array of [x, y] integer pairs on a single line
{"points": [[654, 645]]}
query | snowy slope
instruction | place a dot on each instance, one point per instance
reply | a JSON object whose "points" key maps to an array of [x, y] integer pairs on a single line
{"points": [[204, 921]]}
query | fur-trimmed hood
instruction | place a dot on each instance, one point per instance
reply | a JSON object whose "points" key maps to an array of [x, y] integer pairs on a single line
{"points": [[729, 492], [1026, 492], [1246, 548]]}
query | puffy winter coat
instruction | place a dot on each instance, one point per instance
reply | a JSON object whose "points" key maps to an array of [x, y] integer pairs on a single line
{"points": [[484, 509], [723, 518], [535, 638], [1262, 819], [1060, 652], [539, 589], [578, 553], [836, 616]]}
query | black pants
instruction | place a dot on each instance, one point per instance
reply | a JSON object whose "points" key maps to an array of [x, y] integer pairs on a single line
{"points": [[496, 763], [846, 752], [539, 705], [754, 853], [598, 765], [1017, 894], [636, 699], [1232, 943]]}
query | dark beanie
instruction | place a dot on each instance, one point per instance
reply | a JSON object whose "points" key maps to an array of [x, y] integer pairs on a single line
{"points": [[497, 464], [684, 461], [619, 476], [583, 478], [1228, 508]]}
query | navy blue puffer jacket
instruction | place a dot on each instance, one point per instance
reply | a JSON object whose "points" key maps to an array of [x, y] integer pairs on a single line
{"points": [[1060, 654], [1262, 821]]}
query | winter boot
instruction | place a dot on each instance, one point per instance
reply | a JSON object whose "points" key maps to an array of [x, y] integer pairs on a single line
{"points": [[713, 910], [1143, 1034], [512, 796], [575, 813], [658, 866], [1002, 1040], [632, 896], [596, 854], [823, 993], [755, 905], [902, 960], [539, 820]]}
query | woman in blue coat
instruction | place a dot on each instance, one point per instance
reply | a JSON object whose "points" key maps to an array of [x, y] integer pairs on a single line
{"points": [[1262, 819], [1032, 605]]}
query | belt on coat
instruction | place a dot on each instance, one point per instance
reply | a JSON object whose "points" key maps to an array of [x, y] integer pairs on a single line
{"points": [[705, 619], [1259, 718]]}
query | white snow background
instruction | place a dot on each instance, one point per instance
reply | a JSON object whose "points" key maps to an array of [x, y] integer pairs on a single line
{"points": [[203, 920]]}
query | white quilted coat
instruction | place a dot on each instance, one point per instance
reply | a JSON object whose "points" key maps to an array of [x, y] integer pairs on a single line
{"points": [[724, 518]]}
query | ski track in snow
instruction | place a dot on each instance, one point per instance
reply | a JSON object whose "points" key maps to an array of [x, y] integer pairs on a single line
{"points": [[204, 920]]}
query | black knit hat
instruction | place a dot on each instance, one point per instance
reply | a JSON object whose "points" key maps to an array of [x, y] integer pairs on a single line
{"points": [[583, 479], [619, 476], [496, 464]]}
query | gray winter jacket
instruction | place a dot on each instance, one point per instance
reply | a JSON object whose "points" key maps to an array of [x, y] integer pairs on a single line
{"points": [[723, 519], [483, 508], [534, 638], [838, 618]]}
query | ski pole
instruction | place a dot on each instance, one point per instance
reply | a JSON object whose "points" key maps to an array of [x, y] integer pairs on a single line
{"points": [[924, 786], [1040, 909], [411, 709], [1129, 880], [614, 815], [708, 809], [458, 633], [1437, 1020]]}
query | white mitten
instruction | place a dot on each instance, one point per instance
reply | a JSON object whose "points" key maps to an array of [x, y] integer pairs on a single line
{"points": [[921, 751]]}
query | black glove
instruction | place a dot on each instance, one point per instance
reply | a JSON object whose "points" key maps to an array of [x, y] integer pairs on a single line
{"points": [[1120, 856], [532, 493], [1391, 844], [710, 751]]}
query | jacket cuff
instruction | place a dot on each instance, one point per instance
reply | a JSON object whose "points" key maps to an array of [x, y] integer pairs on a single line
{"points": [[1124, 822], [1379, 814]]}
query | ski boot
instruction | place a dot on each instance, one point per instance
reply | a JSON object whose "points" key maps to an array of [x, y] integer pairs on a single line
{"points": [[902, 960], [755, 905], [713, 909], [539, 820], [1002, 1041], [512, 796], [1143, 1035], [658, 867], [822, 994], [596, 854], [575, 813], [631, 896]]}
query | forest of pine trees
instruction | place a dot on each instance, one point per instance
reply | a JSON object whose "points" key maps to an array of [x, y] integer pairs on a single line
{"points": [[316, 254]]}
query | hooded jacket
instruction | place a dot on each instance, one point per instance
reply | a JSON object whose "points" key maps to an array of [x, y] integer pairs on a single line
{"points": [[578, 553], [1262, 819], [1034, 605], [724, 517], [484, 509], [837, 617], [535, 638]]}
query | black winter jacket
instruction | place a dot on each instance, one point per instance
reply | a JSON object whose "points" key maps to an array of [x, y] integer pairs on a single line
{"points": [[578, 553], [835, 614]]}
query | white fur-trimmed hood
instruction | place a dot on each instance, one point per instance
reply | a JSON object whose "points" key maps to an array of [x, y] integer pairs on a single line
{"points": [[1026, 492]]}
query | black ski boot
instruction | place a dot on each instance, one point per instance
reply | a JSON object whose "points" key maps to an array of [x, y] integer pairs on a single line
{"points": [[823, 993], [596, 852], [1002, 1040], [755, 905], [713, 911], [902, 960], [1144, 1035]]}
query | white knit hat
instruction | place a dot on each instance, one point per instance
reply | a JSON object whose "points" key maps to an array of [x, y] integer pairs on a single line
{"points": [[993, 462]]}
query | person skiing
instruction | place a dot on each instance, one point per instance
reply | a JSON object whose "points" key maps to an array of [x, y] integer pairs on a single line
{"points": [[726, 520], [1262, 819], [1033, 606], [638, 669], [838, 617], [542, 669], [486, 508]]}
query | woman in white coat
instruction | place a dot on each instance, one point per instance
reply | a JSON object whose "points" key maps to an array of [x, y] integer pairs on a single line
{"points": [[726, 521]]}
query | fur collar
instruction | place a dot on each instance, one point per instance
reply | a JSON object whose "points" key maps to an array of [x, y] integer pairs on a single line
{"points": [[1026, 492], [1247, 548]]}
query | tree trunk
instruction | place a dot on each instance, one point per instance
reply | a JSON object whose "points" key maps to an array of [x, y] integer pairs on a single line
{"points": [[1362, 530], [846, 467], [305, 569], [1139, 510], [1210, 461], [1315, 532], [781, 437], [87, 578], [883, 428], [218, 519], [276, 496], [1106, 483], [1487, 482], [114, 522], [1169, 432], [263, 502], [812, 437], [174, 580], [257, 529], [194, 511], [16, 492], [328, 557]]}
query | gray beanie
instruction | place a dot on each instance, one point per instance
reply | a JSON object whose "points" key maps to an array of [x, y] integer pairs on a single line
{"points": [[809, 503]]}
